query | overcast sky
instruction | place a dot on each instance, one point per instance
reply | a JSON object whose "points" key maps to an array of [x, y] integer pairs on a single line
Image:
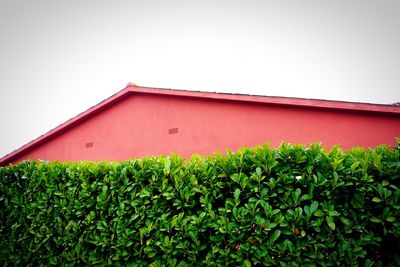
{"points": [[59, 58]]}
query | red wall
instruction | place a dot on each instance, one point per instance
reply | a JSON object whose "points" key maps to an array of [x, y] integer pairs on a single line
{"points": [[139, 126]]}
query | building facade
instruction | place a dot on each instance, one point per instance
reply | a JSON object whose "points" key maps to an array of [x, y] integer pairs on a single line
{"points": [[140, 121]]}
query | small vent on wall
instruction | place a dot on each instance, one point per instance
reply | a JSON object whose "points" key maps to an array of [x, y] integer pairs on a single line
{"points": [[89, 144], [173, 131]]}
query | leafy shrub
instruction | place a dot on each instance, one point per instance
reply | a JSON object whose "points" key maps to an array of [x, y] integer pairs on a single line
{"points": [[289, 206]]}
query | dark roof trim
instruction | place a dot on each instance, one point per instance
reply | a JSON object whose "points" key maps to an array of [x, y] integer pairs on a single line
{"points": [[285, 101]]}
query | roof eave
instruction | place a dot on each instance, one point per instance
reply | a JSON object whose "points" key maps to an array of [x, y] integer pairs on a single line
{"points": [[276, 100]]}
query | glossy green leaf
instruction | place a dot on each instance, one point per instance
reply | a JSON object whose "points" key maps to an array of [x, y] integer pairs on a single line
{"points": [[376, 220], [319, 213], [237, 193], [167, 166], [376, 199], [274, 237], [313, 207], [246, 263], [390, 219], [330, 222]]}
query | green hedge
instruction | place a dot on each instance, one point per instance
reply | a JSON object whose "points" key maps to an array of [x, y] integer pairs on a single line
{"points": [[291, 206]]}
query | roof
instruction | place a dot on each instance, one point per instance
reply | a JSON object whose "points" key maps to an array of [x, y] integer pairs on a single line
{"points": [[132, 89]]}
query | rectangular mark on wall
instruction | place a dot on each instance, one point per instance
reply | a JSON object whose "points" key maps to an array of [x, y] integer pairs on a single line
{"points": [[173, 131], [89, 145]]}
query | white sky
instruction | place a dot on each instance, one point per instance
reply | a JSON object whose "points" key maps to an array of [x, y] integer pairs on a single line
{"points": [[58, 58]]}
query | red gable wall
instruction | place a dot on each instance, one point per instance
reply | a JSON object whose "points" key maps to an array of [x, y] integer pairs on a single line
{"points": [[152, 124]]}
